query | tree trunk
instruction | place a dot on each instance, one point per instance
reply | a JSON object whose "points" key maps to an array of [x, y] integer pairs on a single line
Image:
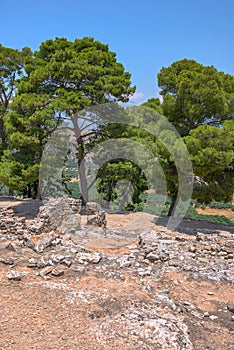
{"points": [[3, 135], [83, 182], [29, 191], [172, 208], [11, 192], [80, 159], [107, 204], [38, 190], [125, 196], [111, 185]]}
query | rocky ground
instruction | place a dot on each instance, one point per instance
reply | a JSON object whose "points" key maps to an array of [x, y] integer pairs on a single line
{"points": [[131, 285]]}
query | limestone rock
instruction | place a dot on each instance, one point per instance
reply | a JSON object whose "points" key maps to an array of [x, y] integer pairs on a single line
{"points": [[14, 275], [83, 258], [57, 272], [96, 216], [7, 261]]}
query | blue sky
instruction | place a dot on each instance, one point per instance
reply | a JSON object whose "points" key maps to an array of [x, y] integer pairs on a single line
{"points": [[146, 35]]}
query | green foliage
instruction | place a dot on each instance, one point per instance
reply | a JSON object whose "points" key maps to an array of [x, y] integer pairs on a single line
{"points": [[76, 74], [121, 182], [221, 205], [62, 78], [39, 90], [12, 63], [70, 182], [221, 219], [153, 203], [212, 155], [153, 103], [211, 149], [15, 172], [194, 94], [3, 190], [28, 126]]}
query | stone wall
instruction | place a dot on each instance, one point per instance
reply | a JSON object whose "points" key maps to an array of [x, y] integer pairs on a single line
{"points": [[96, 216], [61, 215]]}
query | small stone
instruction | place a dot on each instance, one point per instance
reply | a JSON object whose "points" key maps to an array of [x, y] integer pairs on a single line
{"points": [[144, 272], [200, 236], [78, 268], [197, 314], [165, 290], [180, 239], [11, 246], [44, 243], [164, 257], [206, 314], [232, 318], [14, 275], [73, 250], [192, 249], [222, 253], [56, 259], [29, 242], [93, 258], [213, 317], [46, 271], [124, 262], [32, 262], [152, 256], [42, 262], [57, 272], [187, 303], [7, 261], [56, 241], [207, 248], [174, 262], [66, 262], [210, 293], [230, 307]]}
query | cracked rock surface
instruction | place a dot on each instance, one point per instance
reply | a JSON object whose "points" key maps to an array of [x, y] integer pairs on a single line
{"points": [[115, 287]]}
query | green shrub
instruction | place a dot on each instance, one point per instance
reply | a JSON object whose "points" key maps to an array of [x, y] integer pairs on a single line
{"points": [[193, 214], [221, 205]]}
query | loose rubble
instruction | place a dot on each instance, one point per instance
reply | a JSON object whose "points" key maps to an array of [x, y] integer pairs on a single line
{"points": [[53, 246]]}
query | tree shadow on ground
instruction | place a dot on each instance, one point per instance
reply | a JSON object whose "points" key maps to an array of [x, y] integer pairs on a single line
{"points": [[27, 208], [192, 227]]}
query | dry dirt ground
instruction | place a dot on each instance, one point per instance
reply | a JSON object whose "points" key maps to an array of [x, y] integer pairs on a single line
{"points": [[212, 211], [82, 309]]}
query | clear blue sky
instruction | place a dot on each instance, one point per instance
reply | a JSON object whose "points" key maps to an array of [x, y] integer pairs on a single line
{"points": [[146, 35]]}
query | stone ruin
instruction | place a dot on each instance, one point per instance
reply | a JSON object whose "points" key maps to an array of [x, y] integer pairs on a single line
{"points": [[62, 215], [159, 262], [65, 214], [96, 216]]}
